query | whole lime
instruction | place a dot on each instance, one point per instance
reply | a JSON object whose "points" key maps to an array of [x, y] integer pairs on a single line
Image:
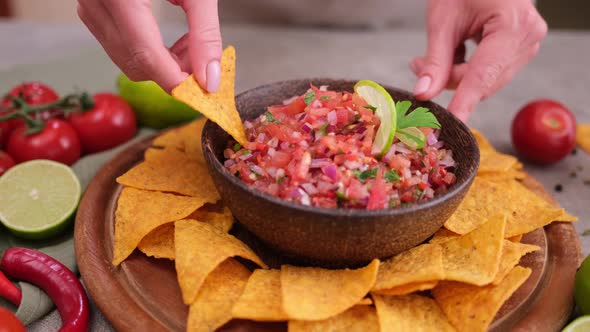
{"points": [[582, 288], [154, 107]]}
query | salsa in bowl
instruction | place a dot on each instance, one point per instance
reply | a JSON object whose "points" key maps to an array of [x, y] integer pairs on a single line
{"points": [[349, 234]]}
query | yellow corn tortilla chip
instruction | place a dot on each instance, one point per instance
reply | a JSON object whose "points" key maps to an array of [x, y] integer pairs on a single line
{"points": [[525, 210], [442, 235], [490, 159], [262, 299], [170, 139], [419, 264], [159, 243], [410, 313], [217, 215], [316, 294], [472, 308], [366, 301], [220, 291], [177, 174], [475, 257], [192, 139], [516, 238], [408, 288], [511, 254], [583, 136], [360, 318], [219, 107], [199, 249], [141, 211]]}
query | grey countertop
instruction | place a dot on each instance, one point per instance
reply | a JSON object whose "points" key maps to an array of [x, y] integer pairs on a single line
{"points": [[67, 57]]}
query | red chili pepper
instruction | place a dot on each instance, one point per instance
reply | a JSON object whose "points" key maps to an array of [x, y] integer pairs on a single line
{"points": [[9, 291], [55, 279]]}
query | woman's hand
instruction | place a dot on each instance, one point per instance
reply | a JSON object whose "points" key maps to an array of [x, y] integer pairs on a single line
{"points": [[508, 31], [130, 35]]}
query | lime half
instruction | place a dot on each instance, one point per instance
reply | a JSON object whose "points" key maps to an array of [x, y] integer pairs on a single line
{"points": [[581, 324], [378, 97], [38, 198]]}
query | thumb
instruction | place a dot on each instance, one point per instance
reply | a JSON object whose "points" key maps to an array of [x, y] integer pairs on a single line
{"points": [[204, 42], [436, 65]]}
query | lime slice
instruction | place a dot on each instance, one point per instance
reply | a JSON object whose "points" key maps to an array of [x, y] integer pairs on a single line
{"points": [[378, 97], [582, 286], [413, 137], [581, 324], [39, 198]]}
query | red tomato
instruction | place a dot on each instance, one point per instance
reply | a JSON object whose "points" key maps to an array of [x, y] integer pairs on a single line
{"points": [[57, 141], [9, 322], [110, 123], [544, 131], [6, 162], [34, 93], [5, 129]]}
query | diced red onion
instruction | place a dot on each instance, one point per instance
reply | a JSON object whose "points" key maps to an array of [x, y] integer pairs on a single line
{"points": [[271, 152], [352, 164], [307, 128], [296, 135], [323, 88], [316, 104], [390, 153], [261, 137], [272, 171], [431, 139], [332, 118], [248, 124], [305, 200], [320, 162], [285, 145], [295, 193], [407, 174], [361, 130], [425, 178], [245, 156], [309, 188], [301, 116], [437, 133], [274, 142], [402, 148], [229, 163], [257, 169], [438, 145], [324, 187], [280, 173], [447, 160], [289, 100], [303, 143], [331, 171], [428, 193]]}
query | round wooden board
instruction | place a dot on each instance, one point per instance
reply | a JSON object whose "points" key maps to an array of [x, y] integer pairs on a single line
{"points": [[143, 294]]}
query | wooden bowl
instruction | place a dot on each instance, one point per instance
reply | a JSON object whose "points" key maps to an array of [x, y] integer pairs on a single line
{"points": [[336, 237]]}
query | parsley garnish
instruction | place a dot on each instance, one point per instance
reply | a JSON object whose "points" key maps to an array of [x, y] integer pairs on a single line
{"points": [[419, 117], [341, 196], [323, 128], [324, 98], [281, 179], [309, 97], [245, 152], [392, 203], [391, 176], [237, 147], [371, 107], [368, 174], [270, 118]]}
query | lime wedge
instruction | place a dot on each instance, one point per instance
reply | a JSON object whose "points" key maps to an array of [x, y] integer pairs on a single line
{"points": [[581, 324], [39, 198], [413, 137], [378, 97]]}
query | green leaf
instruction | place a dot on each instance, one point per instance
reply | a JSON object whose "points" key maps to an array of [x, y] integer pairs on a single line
{"points": [[281, 179], [323, 128], [419, 117], [341, 196], [245, 152], [368, 174], [391, 176], [237, 147], [324, 98], [270, 118], [371, 107], [401, 108], [309, 97]]}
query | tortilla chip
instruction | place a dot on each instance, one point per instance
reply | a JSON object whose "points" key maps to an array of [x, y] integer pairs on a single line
{"points": [[170, 139], [141, 211], [159, 243], [419, 264], [516, 238], [490, 159], [220, 291], [219, 107], [583, 136], [315, 294], [474, 258], [200, 248], [192, 139], [442, 235], [366, 301], [511, 254], [167, 154], [408, 288], [177, 174], [262, 299], [526, 211], [472, 308], [217, 215], [360, 318], [410, 313]]}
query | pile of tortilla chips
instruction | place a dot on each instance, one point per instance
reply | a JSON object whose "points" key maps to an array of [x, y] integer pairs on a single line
{"points": [[457, 281]]}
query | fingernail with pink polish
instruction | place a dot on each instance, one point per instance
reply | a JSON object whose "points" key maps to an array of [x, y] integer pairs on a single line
{"points": [[213, 76], [423, 85]]}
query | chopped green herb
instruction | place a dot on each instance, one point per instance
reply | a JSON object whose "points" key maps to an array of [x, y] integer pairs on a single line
{"points": [[237, 147], [309, 97], [586, 232], [392, 203], [418, 194], [245, 152], [323, 128], [419, 117], [341, 196], [270, 118], [391, 176], [339, 151], [281, 179], [324, 98], [368, 174], [371, 107]]}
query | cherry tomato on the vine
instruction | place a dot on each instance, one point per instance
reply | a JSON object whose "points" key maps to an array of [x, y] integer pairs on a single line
{"points": [[109, 123], [6, 162], [9, 322], [57, 141], [544, 131]]}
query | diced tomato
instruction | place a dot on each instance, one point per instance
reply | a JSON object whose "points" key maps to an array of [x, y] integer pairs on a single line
{"points": [[302, 168], [280, 159], [378, 198], [281, 132]]}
